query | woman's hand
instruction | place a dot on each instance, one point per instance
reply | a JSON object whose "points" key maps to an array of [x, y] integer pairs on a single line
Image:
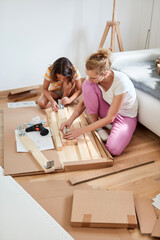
{"points": [[55, 106], [66, 124], [72, 134], [65, 100]]}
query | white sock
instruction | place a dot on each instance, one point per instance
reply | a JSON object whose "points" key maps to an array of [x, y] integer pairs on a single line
{"points": [[102, 133], [109, 126]]}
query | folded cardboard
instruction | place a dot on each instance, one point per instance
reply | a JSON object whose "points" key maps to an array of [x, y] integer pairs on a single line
{"points": [[103, 208]]}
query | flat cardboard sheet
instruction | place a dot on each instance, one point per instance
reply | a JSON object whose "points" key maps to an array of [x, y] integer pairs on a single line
{"points": [[146, 214], [17, 164], [21, 163], [103, 208], [21, 217], [55, 196]]}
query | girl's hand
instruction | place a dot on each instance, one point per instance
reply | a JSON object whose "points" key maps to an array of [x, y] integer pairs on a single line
{"points": [[55, 106], [66, 124], [65, 100], [72, 134]]}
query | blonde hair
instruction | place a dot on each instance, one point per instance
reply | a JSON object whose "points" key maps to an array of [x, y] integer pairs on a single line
{"points": [[100, 61]]}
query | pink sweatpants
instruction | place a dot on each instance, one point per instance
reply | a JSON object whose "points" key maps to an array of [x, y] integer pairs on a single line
{"points": [[122, 127]]}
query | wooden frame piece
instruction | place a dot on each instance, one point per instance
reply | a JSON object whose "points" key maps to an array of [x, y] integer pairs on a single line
{"points": [[82, 153], [118, 166]]}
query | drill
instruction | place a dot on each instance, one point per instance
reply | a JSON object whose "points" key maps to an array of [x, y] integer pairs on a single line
{"points": [[38, 127]]}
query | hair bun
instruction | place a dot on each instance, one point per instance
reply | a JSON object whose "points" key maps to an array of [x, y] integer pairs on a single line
{"points": [[104, 52]]}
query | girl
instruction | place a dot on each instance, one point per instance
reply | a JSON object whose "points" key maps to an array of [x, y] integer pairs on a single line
{"points": [[61, 80], [109, 97]]}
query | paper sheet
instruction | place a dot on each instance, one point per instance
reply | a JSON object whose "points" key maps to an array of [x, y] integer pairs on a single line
{"points": [[42, 142], [22, 104]]}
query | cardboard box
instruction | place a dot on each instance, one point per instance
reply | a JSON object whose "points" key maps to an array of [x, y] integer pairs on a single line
{"points": [[103, 208]]}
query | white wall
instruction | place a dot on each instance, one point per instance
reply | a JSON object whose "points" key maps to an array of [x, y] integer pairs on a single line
{"points": [[34, 33]]}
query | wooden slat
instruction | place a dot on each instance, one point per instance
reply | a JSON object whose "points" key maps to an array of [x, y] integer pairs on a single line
{"points": [[118, 166], [54, 129], [88, 164], [83, 149], [94, 151], [102, 144], [60, 119], [67, 116], [36, 153]]}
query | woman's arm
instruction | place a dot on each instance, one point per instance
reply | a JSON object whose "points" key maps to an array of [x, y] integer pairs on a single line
{"points": [[77, 112], [112, 113]]}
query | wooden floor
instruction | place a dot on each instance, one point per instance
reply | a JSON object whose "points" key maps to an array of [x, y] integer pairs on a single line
{"points": [[143, 181]]}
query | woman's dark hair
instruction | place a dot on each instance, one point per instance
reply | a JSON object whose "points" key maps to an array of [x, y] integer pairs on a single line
{"points": [[64, 67]]}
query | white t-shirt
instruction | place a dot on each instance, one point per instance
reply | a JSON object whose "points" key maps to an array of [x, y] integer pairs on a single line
{"points": [[122, 84]]}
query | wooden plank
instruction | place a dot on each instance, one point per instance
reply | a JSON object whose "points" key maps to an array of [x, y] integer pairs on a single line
{"points": [[102, 144], [83, 149], [146, 214], [54, 129], [94, 151], [156, 229], [24, 89], [88, 164], [36, 153], [67, 116], [60, 119], [118, 166]]}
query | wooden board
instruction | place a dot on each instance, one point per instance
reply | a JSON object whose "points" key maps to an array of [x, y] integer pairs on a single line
{"points": [[103, 208], [146, 215], [36, 153], [118, 166], [17, 164]]}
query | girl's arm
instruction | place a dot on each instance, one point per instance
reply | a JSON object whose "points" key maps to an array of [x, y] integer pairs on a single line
{"points": [[78, 86], [112, 113], [47, 94], [77, 112]]}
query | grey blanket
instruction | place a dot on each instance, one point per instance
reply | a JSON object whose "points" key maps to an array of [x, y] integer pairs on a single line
{"points": [[143, 75]]}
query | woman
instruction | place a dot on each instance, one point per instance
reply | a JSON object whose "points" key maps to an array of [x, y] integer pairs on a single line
{"points": [[109, 97], [62, 80]]}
